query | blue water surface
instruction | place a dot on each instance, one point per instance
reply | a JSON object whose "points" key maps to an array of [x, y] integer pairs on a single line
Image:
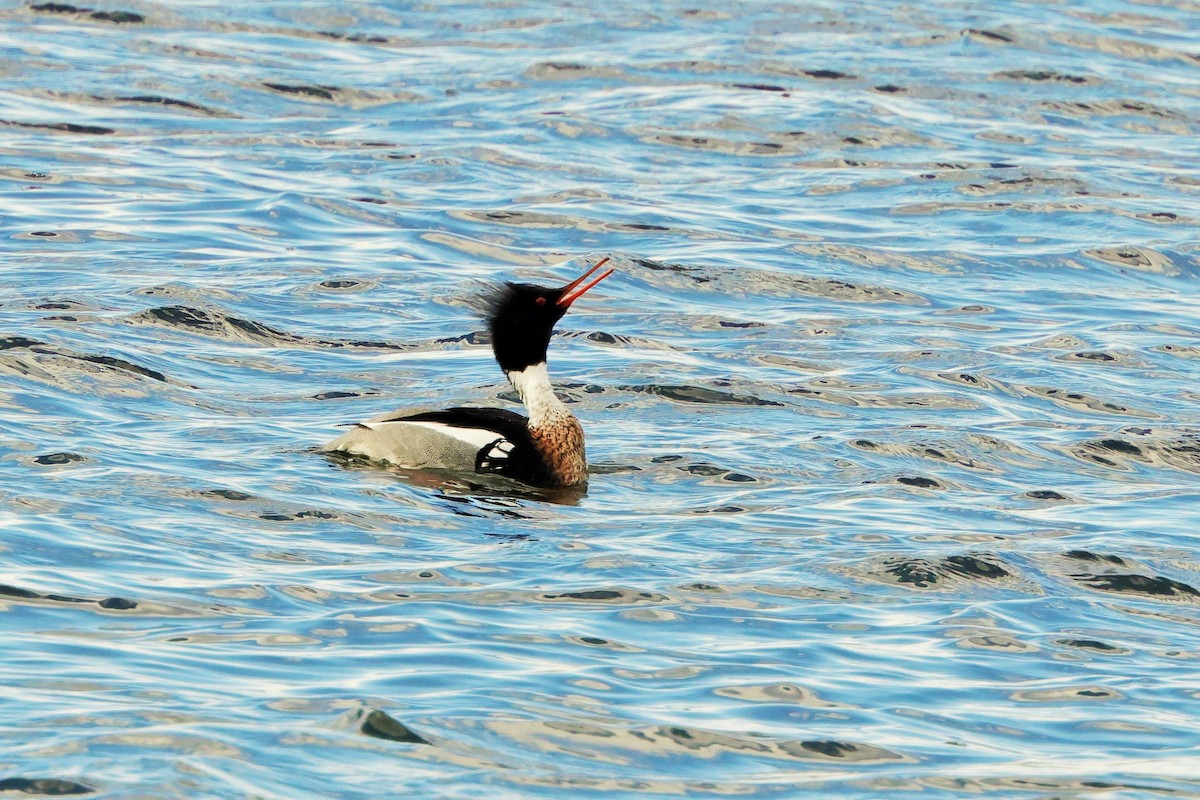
{"points": [[893, 406]]}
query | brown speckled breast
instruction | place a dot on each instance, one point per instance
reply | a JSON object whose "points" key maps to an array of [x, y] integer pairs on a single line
{"points": [[561, 444]]}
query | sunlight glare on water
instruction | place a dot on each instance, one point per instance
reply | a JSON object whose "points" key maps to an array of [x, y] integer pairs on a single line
{"points": [[892, 405]]}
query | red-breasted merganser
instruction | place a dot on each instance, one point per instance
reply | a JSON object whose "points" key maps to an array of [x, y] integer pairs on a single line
{"points": [[545, 449]]}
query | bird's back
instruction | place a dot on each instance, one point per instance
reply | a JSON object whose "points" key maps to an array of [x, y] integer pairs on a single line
{"points": [[461, 439]]}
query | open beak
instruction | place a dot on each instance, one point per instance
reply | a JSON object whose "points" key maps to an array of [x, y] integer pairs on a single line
{"points": [[575, 289]]}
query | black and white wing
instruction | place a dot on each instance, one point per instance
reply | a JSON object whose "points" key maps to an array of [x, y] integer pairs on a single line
{"points": [[484, 440]]}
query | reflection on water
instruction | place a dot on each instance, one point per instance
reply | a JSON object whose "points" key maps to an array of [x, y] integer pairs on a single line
{"points": [[891, 408]]}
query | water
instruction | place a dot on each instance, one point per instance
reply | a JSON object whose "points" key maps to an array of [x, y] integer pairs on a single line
{"points": [[892, 405]]}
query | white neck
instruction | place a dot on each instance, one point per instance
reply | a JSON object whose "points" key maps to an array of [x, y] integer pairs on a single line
{"points": [[533, 384]]}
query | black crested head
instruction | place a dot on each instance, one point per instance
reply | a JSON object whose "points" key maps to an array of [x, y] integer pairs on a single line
{"points": [[521, 319]]}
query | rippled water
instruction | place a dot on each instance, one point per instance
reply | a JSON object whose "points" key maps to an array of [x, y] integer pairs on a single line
{"points": [[892, 407]]}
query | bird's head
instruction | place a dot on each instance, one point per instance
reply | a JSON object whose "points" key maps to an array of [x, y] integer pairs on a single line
{"points": [[522, 316]]}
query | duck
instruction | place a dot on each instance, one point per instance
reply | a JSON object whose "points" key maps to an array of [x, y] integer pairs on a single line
{"points": [[543, 449]]}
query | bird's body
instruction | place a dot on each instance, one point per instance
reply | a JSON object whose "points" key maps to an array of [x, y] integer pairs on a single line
{"points": [[544, 449]]}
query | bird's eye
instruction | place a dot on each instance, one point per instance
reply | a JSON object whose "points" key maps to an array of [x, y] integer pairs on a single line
{"points": [[541, 301]]}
